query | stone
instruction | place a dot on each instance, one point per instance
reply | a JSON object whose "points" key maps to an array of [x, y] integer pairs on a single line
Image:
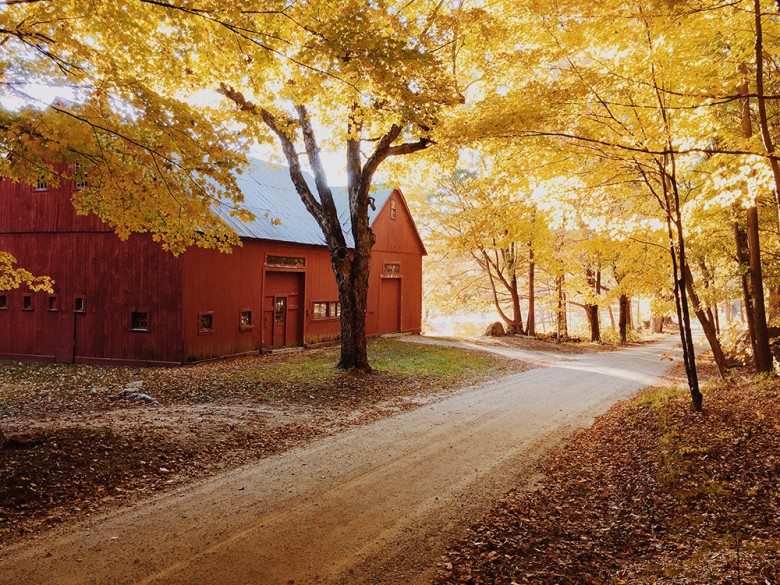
{"points": [[495, 330]]}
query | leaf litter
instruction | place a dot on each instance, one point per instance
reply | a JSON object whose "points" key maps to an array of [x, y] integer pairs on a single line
{"points": [[651, 493], [80, 440]]}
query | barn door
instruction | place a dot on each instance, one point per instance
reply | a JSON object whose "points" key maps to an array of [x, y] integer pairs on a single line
{"points": [[390, 305], [282, 314]]}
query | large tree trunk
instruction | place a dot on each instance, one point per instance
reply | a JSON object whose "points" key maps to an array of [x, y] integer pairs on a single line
{"points": [[351, 270], [625, 313], [707, 323], [531, 318]]}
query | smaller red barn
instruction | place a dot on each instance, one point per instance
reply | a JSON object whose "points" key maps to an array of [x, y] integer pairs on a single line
{"points": [[132, 303]]}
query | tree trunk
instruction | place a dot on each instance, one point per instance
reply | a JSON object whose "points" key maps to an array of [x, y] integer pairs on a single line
{"points": [[625, 311], [592, 311], [530, 328], [743, 260], [707, 323], [759, 334], [562, 331], [763, 356]]}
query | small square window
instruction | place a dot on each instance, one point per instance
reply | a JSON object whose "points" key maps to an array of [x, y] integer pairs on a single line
{"points": [[139, 321], [27, 303], [391, 269], [245, 320], [40, 184], [3, 302], [319, 311], [53, 303], [392, 209], [206, 322], [334, 309], [80, 305]]}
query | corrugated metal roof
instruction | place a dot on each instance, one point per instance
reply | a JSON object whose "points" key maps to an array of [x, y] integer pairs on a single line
{"points": [[270, 195]]}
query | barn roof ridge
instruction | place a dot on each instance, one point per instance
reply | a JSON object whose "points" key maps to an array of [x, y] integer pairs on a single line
{"points": [[268, 189]]}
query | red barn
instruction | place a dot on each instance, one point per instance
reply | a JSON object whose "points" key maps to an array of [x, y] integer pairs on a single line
{"points": [[133, 303]]}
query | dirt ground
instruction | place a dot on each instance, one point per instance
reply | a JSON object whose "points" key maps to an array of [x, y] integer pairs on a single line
{"points": [[377, 503], [79, 445]]}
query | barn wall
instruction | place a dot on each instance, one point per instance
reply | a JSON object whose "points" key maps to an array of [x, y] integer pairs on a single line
{"points": [[25, 210], [113, 278], [397, 242], [227, 284]]}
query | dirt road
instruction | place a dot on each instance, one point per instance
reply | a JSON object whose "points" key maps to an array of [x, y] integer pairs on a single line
{"points": [[376, 504]]}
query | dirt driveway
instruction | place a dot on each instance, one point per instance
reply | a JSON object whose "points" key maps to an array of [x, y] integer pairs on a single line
{"points": [[375, 504]]}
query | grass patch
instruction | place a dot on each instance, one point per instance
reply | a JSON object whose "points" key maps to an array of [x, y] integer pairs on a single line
{"points": [[401, 369]]}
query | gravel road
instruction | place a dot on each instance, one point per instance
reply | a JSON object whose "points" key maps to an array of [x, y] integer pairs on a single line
{"points": [[375, 504]]}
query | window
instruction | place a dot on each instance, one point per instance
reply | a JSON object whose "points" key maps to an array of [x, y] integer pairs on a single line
{"points": [[40, 185], [280, 314], [285, 261], [27, 303], [80, 176], [206, 322], [53, 304], [392, 209], [245, 320], [79, 306], [139, 321], [3, 302], [326, 310], [319, 311], [391, 269]]}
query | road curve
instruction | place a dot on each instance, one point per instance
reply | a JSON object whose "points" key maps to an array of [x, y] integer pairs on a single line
{"points": [[375, 504]]}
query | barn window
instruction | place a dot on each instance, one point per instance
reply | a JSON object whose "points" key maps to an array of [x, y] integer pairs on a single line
{"points": [[139, 320], [3, 302], [326, 310], [285, 261], [206, 322], [27, 303], [319, 310], [80, 305], [245, 320], [392, 209], [80, 176], [40, 184], [391, 269], [53, 303]]}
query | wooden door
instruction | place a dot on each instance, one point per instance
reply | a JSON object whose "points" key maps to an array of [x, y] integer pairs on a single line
{"points": [[282, 317], [390, 305]]}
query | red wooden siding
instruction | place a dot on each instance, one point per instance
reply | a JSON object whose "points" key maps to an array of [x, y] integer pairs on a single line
{"points": [[24, 210], [113, 278], [397, 242]]}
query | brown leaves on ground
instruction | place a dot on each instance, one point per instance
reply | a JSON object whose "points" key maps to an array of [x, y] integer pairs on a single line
{"points": [[651, 493], [77, 445]]}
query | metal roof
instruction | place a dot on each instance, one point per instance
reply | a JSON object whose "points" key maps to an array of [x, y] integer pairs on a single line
{"points": [[270, 195]]}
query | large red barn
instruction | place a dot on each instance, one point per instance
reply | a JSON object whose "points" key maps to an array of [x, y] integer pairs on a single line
{"points": [[132, 303]]}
